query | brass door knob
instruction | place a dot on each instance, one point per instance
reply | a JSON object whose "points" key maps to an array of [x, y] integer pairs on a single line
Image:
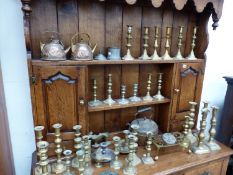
{"points": [[81, 102], [177, 91]]}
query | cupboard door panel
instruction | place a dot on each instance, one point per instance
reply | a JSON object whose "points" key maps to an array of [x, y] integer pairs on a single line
{"points": [[58, 91]]}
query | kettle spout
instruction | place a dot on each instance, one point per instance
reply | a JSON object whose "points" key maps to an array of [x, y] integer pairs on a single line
{"points": [[67, 50], [93, 50], [42, 46]]}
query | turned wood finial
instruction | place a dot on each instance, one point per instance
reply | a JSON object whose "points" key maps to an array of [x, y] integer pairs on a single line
{"points": [[26, 7]]}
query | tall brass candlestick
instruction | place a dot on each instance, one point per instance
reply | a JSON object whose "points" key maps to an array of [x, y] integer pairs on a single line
{"points": [[87, 155], [77, 143], [116, 163], [95, 102], [129, 37], [80, 155], [200, 147], [42, 147], [147, 159], [109, 100], [148, 96], [166, 55], [68, 155], [155, 55], [159, 96], [39, 134], [186, 142], [59, 165], [145, 56], [192, 56], [179, 45], [213, 146]]}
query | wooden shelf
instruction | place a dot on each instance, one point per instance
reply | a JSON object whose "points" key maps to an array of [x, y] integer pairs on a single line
{"points": [[109, 62], [106, 107]]}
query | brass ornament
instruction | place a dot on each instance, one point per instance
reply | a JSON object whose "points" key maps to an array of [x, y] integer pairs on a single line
{"points": [[129, 37], [192, 56], [155, 55], [158, 95], [145, 56], [116, 163], [179, 45], [186, 143], [95, 102], [166, 55], [135, 98], [147, 159], [109, 100], [148, 96], [123, 100], [77, 144]]}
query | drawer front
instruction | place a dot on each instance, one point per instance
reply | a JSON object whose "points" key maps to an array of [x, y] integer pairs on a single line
{"points": [[214, 168]]}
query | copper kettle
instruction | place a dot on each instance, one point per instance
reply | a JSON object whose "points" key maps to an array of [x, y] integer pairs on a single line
{"points": [[82, 50]]}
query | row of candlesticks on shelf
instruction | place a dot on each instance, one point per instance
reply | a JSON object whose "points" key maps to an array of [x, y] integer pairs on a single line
{"points": [[124, 100]]}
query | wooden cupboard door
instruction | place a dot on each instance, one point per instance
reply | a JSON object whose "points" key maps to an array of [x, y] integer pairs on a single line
{"points": [[188, 87], [59, 95]]}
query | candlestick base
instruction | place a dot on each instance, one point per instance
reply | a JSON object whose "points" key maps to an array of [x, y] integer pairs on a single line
{"points": [[148, 160], [116, 164], [191, 138], [147, 98], [75, 163], [95, 103], [202, 149], [109, 101], [123, 101], [185, 143], [69, 173], [135, 99], [58, 168], [213, 146], [38, 170], [191, 56], [136, 160], [130, 170], [144, 56], [155, 56], [179, 56], [166, 56], [158, 97], [128, 56]]}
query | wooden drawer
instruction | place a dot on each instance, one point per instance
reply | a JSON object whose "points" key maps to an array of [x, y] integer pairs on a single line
{"points": [[212, 168]]}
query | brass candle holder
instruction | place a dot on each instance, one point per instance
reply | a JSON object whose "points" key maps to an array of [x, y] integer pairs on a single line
{"points": [[144, 55], [190, 135], [68, 155], [87, 155], [179, 45], [129, 37], [211, 143], [166, 55], [77, 144], [109, 100], [155, 55], [59, 165], [123, 100], [39, 134], [124, 147], [192, 56], [200, 147], [43, 168], [148, 96], [147, 159], [81, 168], [135, 98], [159, 96], [186, 142], [130, 169], [116, 163], [95, 102]]}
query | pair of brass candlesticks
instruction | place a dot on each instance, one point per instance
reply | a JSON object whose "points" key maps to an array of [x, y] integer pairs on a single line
{"points": [[200, 144], [155, 55], [123, 100]]}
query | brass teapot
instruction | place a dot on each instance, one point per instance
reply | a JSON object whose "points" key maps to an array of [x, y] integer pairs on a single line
{"points": [[82, 49], [53, 50]]}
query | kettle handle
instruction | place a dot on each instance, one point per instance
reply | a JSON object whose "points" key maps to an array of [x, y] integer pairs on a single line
{"points": [[143, 110], [78, 35], [54, 32]]}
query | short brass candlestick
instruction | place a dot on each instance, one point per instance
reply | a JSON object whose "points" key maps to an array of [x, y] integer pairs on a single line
{"points": [[43, 168], [123, 100], [190, 135], [116, 163], [77, 143], [166, 55], [124, 149], [68, 155], [213, 146], [159, 96], [109, 100], [145, 56], [186, 142], [147, 159], [130, 169], [129, 37], [135, 98], [200, 147], [192, 56], [148, 96], [59, 166], [81, 168], [155, 55], [95, 102], [179, 45], [39, 134]]}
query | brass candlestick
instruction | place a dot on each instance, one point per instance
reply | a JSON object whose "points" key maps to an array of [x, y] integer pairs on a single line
{"points": [[59, 166], [81, 168], [148, 96], [77, 144], [68, 155], [43, 169], [95, 102], [129, 37], [192, 56], [147, 159], [166, 55], [87, 155], [123, 100], [213, 146], [159, 96], [190, 135], [116, 163], [39, 134], [155, 55], [109, 100], [124, 149], [186, 142], [179, 45], [200, 147], [135, 98], [145, 56], [130, 169]]}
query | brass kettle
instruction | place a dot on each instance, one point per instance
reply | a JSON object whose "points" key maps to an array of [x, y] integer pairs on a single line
{"points": [[82, 50], [53, 50]]}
